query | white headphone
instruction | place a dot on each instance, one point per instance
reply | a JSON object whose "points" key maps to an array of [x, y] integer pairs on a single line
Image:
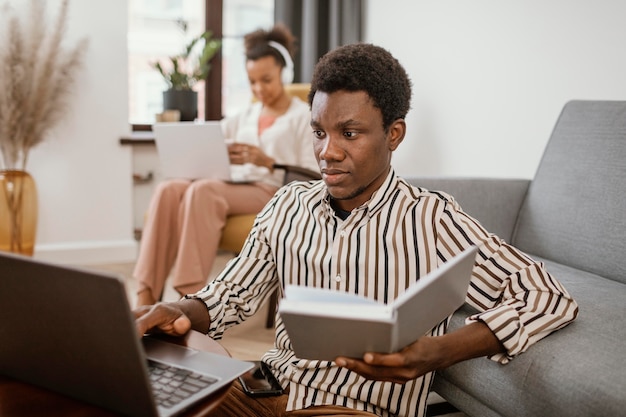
{"points": [[286, 74]]}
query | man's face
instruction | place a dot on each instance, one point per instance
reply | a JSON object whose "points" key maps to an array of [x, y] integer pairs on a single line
{"points": [[352, 149]]}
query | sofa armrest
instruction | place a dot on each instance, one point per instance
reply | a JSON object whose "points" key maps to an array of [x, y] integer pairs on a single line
{"points": [[494, 202]]}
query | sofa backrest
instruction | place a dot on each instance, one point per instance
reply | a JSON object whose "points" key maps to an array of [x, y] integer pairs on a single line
{"points": [[494, 202], [575, 209]]}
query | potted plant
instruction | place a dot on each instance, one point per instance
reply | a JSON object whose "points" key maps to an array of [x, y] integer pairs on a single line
{"points": [[184, 70]]}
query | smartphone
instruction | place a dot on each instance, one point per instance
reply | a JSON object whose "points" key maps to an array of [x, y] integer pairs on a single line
{"points": [[260, 382]]}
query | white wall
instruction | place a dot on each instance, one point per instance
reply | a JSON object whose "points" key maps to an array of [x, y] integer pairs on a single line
{"points": [[490, 76], [82, 174]]}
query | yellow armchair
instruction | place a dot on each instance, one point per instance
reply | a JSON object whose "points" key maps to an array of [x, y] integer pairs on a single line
{"points": [[238, 227], [300, 90]]}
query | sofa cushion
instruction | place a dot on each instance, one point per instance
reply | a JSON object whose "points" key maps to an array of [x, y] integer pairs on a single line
{"points": [[575, 209], [494, 202], [576, 371]]}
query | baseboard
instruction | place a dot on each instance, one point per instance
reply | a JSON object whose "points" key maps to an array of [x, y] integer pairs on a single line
{"points": [[88, 252]]}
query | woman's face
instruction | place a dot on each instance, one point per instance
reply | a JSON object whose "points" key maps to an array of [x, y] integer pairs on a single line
{"points": [[264, 78]]}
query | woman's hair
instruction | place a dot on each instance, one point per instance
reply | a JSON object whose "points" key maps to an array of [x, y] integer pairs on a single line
{"points": [[257, 46], [369, 68]]}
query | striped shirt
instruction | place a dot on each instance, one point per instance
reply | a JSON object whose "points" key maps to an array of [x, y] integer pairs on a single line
{"points": [[402, 233]]}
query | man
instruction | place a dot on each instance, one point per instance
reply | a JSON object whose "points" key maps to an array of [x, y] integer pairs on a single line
{"points": [[366, 231]]}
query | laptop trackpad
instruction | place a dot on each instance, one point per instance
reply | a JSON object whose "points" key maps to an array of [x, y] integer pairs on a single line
{"points": [[201, 361], [164, 351]]}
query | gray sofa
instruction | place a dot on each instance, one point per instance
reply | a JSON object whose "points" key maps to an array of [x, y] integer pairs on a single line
{"points": [[572, 216]]}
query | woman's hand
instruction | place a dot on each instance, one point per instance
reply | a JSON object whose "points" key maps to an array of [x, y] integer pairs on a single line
{"points": [[242, 153]]}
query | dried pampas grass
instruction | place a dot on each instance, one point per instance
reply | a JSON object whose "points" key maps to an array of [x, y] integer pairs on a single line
{"points": [[37, 75]]}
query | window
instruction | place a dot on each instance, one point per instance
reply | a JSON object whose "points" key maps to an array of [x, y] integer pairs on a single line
{"points": [[239, 18], [154, 32]]}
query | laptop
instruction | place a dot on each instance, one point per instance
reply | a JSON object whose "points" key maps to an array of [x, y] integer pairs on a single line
{"points": [[71, 331], [193, 150]]}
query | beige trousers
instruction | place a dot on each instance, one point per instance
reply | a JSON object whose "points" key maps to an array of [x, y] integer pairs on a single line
{"points": [[183, 230], [238, 404]]}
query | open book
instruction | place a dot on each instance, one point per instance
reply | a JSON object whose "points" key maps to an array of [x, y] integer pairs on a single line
{"points": [[323, 324]]}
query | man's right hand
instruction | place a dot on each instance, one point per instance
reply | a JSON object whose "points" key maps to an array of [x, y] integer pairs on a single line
{"points": [[174, 319]]}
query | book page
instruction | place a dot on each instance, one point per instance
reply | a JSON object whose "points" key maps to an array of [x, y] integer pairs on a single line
{"points": [[302, 293]]}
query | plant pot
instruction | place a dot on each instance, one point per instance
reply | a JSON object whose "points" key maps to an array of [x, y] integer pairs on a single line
{"points": [[186, 101], [18, 212]]}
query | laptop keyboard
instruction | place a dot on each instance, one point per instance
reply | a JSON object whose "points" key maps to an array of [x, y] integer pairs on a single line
{"points": [[171, 385]]}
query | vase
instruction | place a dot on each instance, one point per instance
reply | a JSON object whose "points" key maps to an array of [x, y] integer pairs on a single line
{"points": [[186, 101], [18, 212]]}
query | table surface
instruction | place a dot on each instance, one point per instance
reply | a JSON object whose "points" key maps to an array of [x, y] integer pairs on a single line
{"points": [[18, 399]]}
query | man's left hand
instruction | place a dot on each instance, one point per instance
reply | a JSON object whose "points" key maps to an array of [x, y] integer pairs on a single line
{"points": [[411, 362], [427, 354]]}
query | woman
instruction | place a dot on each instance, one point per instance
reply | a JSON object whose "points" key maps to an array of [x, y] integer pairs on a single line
{"points": [[185, 218]]}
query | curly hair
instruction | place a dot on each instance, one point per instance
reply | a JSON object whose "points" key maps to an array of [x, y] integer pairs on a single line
{"points": [[256, 43], [369, 68]]}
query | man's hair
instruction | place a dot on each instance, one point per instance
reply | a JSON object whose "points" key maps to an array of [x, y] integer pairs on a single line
{"points": [[369, 68]]}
